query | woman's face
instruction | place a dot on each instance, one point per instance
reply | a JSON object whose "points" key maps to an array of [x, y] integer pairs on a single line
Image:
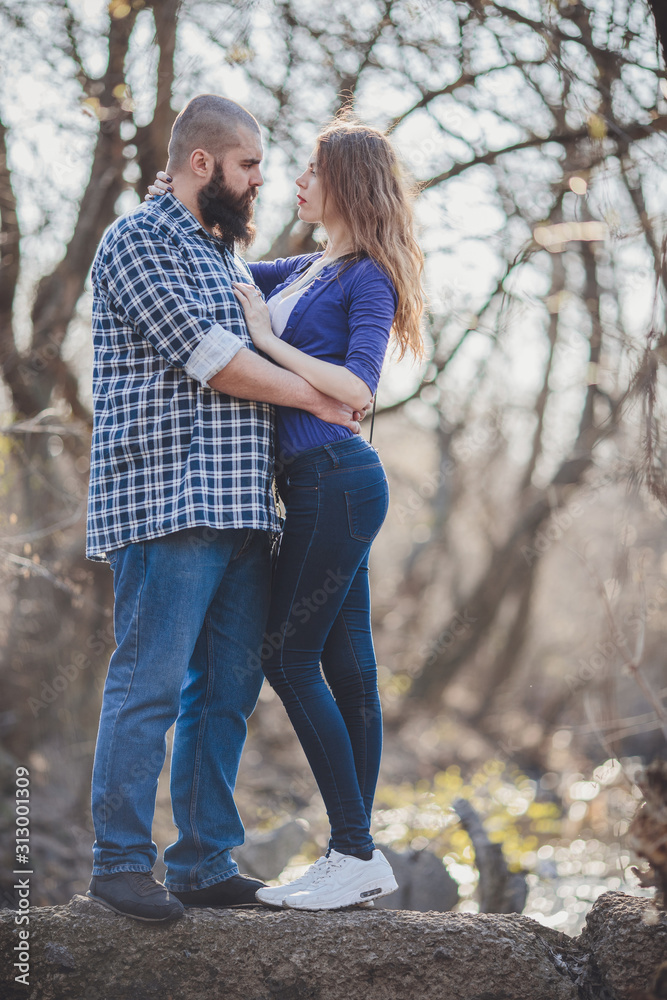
{"points": [[309, 193]]}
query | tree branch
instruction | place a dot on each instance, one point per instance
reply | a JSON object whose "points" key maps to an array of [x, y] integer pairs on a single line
{"points": [[32, 378], [628, 133], [152, 139]]}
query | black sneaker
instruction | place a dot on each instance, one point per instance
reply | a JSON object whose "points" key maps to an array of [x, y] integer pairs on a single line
{"points": [[239, 890], [135, 894]]}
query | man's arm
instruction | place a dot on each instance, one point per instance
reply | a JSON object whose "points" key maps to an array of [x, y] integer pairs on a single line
{"points": [[150, 285], [247, 376]]}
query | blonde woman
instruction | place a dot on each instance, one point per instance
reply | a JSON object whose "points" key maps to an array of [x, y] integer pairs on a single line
{"points": [[328, 317]]}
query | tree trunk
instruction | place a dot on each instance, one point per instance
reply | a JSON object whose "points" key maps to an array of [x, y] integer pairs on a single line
{"points": [[659, 12]]}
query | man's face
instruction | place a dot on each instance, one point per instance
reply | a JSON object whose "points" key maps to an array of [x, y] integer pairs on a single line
{"points": [[226, 200]]}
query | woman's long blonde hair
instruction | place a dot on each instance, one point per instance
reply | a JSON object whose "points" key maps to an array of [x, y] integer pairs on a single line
{"points": [[361, 176]]}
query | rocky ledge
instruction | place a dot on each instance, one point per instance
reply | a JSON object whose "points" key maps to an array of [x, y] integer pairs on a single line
{"points": [[83, 951]]}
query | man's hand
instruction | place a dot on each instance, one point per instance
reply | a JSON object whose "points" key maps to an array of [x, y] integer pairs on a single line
{"points": [[335, 412], [360, 414]]}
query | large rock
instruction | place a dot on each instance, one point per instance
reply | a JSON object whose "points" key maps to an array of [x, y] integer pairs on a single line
{"points": [[84, 952], [424, 884], [264, 855], [626, 941]]}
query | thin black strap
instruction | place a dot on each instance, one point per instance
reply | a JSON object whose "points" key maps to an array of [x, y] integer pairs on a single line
{"points": [[370, 436]]}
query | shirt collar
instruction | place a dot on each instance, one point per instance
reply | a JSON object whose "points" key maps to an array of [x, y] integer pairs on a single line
{"points": [[177, 211], [188, 222]]}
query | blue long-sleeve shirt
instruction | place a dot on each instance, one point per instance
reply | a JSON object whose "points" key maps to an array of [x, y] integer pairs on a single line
{"points": [[343, 318]]}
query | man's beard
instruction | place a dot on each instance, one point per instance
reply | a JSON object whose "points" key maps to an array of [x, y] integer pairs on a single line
{"points": [[229, 215]]}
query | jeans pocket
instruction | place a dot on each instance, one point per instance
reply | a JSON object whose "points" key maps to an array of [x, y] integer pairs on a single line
{"points": [[301, 483], [366, 509]]}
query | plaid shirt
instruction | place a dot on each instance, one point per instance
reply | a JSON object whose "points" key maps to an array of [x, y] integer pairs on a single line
{"points": [[168, 452]]}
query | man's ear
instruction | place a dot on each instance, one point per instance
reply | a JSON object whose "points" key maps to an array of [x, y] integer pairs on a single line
{"points": [[201, 163]]}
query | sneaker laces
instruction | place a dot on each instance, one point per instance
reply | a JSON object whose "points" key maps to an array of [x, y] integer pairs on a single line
{"points": [[316, 865], [327, 872], [143, 883]]}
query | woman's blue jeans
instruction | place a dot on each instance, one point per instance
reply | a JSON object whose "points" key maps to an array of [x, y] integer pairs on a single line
{"points": [[189, 608], [336, 498]]}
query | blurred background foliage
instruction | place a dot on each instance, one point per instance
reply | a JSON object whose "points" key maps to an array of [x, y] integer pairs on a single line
{"points": [[520, 582]]}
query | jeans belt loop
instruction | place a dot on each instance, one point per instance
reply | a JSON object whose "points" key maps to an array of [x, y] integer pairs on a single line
{"points": [[332, 453]]}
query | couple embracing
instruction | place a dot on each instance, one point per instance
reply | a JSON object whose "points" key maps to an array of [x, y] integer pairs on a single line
{"points": [[213, 379]]}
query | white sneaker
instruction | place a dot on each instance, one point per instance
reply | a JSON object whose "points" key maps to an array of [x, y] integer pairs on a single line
{"points": [[345, 881], [273, 895]]}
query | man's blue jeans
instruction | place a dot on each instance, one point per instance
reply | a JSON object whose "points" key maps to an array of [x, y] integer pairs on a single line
{"points": [[336, 498], [190, 610]]}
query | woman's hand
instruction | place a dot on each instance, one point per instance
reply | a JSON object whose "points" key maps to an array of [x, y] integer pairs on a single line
{"points": [[161, 186], [256, 314]]}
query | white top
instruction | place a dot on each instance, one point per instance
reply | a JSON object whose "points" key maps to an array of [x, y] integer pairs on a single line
{"points": [[282, 304], [280, 307]]}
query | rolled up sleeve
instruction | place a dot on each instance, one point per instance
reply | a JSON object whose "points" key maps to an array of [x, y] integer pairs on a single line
{"points": [[213, 352], [371, 311], [149, 285]]}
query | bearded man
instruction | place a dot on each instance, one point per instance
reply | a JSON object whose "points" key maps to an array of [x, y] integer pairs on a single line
{"points": [[181, 506]]}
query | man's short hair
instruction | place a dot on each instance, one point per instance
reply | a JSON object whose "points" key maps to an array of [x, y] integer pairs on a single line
{"points": [[207, 122]]}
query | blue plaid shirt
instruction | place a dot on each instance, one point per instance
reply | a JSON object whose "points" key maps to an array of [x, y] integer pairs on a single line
{"points": [[168, 452]]}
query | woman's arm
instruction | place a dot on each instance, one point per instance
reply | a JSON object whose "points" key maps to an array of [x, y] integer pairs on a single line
{"points": [[332, 380], [269, 273], [371, 302], [247, 376]]}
